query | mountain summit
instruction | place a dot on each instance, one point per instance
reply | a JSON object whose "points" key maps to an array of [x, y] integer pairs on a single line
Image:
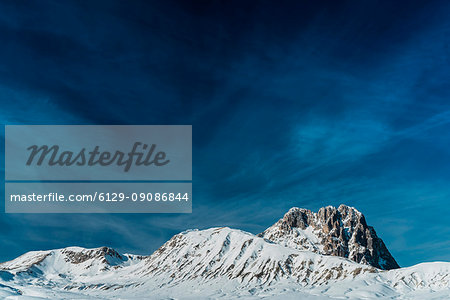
{"points": [[341, 231]]}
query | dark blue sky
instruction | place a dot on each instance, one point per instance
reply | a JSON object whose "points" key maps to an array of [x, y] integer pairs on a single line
{"points": [[292, 104]]}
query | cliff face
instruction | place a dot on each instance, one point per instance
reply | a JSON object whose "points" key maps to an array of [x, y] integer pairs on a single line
{"points": [[341, 231]]}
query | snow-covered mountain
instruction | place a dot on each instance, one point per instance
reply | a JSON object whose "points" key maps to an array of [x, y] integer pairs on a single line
{"points": [[219, 263], [341, 231], [234, 254], [88, 262]]}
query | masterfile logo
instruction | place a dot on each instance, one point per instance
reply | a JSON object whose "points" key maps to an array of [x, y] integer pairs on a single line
{"points": [[98, 152], [52, 156]]}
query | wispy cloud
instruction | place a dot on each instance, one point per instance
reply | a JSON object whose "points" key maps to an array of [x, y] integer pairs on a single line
{"points": [[301, 106]]}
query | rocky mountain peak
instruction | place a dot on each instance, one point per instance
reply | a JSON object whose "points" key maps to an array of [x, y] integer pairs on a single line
{"points": [[105, 255], [340, 231]]}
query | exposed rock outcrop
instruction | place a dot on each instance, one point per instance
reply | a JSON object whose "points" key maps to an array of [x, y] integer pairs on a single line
{"points": [[341, 231]]}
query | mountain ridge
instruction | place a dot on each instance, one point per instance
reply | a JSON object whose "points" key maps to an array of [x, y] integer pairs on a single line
{"points": [[221, 262]]}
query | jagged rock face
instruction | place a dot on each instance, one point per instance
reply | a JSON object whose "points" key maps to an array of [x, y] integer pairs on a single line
{"points": [[104, 254], [341, 231]]}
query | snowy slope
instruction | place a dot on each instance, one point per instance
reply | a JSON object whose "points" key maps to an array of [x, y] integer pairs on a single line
{"points": [[234, 254]]}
